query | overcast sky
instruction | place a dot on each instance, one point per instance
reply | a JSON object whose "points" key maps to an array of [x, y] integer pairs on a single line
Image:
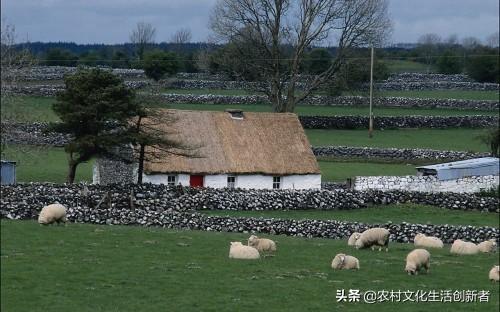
{"points": [[110, 21]]}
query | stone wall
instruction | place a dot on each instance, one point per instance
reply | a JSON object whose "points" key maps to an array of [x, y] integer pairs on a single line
{"points": [[428, 184], [398, 122], [402, 154], [156, 205], [321, 100]]}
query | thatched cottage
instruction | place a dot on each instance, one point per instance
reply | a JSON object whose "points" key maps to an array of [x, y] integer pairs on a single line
{"points": [[233, 149]]}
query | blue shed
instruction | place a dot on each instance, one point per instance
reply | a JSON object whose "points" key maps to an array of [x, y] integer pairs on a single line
{"points": [[8, 172], [462, 169]]}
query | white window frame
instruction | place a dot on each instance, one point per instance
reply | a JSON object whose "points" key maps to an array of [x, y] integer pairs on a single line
{"points": [[277, 183], [171, 182], [233, 183]]}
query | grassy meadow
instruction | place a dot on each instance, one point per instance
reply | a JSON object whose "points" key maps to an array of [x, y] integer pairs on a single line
{"points": [[396, 213], [44, 164], [85, 267], [439, 139]]}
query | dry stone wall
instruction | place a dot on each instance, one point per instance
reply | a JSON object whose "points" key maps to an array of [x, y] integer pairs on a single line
{"points": [[158, 205], [429, 184]]}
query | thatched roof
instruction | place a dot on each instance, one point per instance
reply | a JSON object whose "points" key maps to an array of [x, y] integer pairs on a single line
{"points": [[263, 143]]}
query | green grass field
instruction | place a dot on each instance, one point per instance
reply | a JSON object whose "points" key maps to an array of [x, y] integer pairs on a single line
{"points": [[29, 109], [395, 213], [439, 139], [44, 164], [84, 267], [445, 94], [401, 66], [340, 171]]}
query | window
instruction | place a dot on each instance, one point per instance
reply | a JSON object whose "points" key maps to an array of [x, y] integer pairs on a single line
{"points": [[231, 181], [171, 179], [276, 182]]}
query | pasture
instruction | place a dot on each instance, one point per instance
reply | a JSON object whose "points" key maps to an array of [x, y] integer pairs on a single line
{"points": [[396, 213], [86, 267]]}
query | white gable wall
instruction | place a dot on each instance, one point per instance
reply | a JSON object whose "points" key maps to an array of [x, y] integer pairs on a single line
{"points": [[257, 181]]}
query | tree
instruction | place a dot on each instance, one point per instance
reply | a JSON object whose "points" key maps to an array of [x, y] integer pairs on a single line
{"points": [[492, 40], [449, 63], [491, 137], [279, 32], [483, 66], [317, 61], [141, 37], [181, 36], [428, 45], [94, 109], [59, 57], [159, 63], [150, 139]]}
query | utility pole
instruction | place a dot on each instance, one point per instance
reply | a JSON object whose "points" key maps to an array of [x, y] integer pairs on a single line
{"points": [[370, 126]]}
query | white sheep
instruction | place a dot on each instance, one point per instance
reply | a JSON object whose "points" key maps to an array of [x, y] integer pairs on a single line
{"points": [[52, 213], [461, 247], [353, 238], [494, 273], [345, 262], [262, 244], [421, 240], [417, 259], [240, 251], [374, 237], [487, 246]]}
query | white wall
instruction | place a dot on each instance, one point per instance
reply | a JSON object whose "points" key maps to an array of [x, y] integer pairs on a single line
{"points": [[257, 181], [426, 184]]}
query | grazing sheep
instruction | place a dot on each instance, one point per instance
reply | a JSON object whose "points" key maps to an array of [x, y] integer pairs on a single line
{"points": [[487, 246], [421, 240], [460, 247], [52, 213], [343, 261], [417, 259], [374, 237], [240, 251], [494, 273], [353, 238], [261, 244]]}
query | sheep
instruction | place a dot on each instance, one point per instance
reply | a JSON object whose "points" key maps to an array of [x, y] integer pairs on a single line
{"points": [[494, 273], [487, 246], [353, 238], [343, 261], [239, 251], [262, 244], [421, 240], [460, 247], [52, 213], [372, 237], [417, 259]]}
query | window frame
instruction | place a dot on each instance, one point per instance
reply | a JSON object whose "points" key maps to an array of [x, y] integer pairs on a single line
{"points": [[170, 182], [233, 183], [277, 180]]}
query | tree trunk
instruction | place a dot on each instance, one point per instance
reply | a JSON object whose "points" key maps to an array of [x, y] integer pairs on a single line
{"points": [[71, 171], [141, 164]]}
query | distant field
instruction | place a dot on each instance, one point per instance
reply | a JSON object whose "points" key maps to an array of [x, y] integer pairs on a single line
{"points": [[305, 110], [439, 139], [85, 267], [30, 109], [340, 171], [400, 66], [445, 94], [410, 213], [44, 164]]}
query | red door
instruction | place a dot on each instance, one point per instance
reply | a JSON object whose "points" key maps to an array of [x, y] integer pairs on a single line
{"points": [[196, 181]]}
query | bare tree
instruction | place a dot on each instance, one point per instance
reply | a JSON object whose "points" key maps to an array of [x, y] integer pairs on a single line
{"points": [[452, 40], [181, 36], [469, 43], [492, 40], [142, 36], [16, 63], [428, 44], [272, 37]]}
